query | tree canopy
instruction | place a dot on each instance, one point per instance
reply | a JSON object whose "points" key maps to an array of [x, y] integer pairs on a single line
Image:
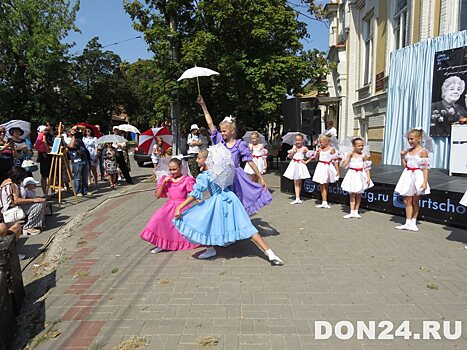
{"points": [[33, 59], [255, 45]]}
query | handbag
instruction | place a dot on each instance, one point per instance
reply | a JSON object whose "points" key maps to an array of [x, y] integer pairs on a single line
{"points": [[13, 215]]}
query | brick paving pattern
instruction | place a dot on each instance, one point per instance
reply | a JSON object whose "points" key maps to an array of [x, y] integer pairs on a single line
{"points": [[336, 269]]}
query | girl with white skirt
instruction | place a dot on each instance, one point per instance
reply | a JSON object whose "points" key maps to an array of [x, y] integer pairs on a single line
{"points": [[327, 170], [357, 179], [414, 179], [259, 154], [297, 169]]}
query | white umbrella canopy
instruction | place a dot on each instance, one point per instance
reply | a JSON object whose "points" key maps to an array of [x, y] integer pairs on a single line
{"points": [[197, 72], [128, 128], [247, 137], [21, 124], [289, 138], [111, 139]]}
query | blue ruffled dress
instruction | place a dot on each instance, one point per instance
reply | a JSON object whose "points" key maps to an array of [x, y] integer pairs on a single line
{"points": [[219, 220]]}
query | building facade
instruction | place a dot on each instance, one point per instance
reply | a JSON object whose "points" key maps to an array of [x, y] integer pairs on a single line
{"points": [[362, 35]]}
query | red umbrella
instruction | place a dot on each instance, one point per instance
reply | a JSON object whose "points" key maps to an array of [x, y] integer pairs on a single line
{"points": [[95, 130], [148, 138]]}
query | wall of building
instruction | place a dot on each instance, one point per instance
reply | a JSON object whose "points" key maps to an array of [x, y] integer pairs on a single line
{"points": [[363, 106]]}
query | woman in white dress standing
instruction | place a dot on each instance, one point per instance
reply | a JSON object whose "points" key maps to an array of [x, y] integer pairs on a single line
{"points": [[297, 169]]}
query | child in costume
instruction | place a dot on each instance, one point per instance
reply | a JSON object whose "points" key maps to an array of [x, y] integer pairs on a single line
{"points": [[221, 219], [259, 156], [252, 195], [357, 179], [160, 230], [327, 170], [414, 179], [297, 169]]}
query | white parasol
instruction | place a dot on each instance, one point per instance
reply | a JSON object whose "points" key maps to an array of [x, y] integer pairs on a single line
{"points": [[247, 137], [23, 125], [197, 72], [221, 166], [128, 128], [289, 138], [110, 139]]}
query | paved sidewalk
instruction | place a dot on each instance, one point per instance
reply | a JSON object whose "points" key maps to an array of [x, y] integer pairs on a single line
{"points": [[109, 288]]}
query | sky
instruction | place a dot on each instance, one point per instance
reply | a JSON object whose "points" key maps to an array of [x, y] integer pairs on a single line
{"points": [[108, 20]]}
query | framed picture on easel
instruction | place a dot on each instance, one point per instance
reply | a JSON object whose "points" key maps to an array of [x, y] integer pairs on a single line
{"points": [[56, 146]]}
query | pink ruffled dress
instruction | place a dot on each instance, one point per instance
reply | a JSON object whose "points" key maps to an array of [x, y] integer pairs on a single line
{"points": [[160, 230]]}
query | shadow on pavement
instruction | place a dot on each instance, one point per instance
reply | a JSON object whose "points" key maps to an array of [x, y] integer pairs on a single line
{"points": [[456, 234], [237, 250], [31, 319], [264, 228]]}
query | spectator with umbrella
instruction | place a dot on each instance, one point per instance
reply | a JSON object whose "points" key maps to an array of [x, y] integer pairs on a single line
{"points": [[121, 158], [23, 150]]}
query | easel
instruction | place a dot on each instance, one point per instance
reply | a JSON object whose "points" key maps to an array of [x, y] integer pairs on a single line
{"points": [[59, 158]]}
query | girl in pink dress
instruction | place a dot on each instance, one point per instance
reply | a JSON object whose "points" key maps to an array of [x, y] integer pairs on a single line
{"points": [[160, 230]]}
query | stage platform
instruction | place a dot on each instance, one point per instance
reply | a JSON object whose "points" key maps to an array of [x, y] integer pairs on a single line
{"points": [[441, 206], [438, 179]]}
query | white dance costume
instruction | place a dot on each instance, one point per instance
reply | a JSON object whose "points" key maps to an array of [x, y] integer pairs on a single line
{"points": [[259, 153], [325, 171], [296, 169], [411, 180], [356, 179]]}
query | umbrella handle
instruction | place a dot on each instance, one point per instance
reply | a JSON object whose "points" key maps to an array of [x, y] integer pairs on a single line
{"points": [[199, 90]]}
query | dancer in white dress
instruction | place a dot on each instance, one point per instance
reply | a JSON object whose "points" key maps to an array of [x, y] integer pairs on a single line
{"points": [[327, 170], [414, 179], [297, 169], [259, 154], [357, 179]]}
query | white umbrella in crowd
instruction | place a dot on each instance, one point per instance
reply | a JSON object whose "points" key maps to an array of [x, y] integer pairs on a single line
{"points": [[128, 128], [23, 125], [110, 139]]}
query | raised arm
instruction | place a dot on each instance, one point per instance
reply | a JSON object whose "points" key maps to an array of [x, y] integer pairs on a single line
{"points": [[207, 116]]}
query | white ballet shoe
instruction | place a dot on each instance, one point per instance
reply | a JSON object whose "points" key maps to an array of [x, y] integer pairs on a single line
{"points": [[348, 216], [276, 261], [156, 250], [297, 201], [322, 205], [413, 225], [356, 215], [208, 253], [326, 206]]}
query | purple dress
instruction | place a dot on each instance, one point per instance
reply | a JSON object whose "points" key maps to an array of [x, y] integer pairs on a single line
{"points": [[252, 195]]}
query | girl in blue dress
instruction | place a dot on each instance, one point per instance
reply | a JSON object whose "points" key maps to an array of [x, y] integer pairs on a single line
{"points": [[253, 196], [221, 219]]}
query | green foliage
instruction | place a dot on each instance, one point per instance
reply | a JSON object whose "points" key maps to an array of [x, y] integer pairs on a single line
{"points": [[32, 57], [255, 45]]}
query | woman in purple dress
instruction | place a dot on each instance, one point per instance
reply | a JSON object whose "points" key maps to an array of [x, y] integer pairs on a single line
{"points": [[252, 195]]}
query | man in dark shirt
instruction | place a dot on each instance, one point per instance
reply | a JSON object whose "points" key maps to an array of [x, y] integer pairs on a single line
{"points": [[80, 161]]}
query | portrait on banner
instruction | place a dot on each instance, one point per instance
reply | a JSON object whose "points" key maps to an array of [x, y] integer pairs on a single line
{"points": [[449, 97]]}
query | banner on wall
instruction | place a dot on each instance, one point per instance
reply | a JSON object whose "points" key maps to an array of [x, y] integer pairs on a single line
{"points": [[449, 97]]}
